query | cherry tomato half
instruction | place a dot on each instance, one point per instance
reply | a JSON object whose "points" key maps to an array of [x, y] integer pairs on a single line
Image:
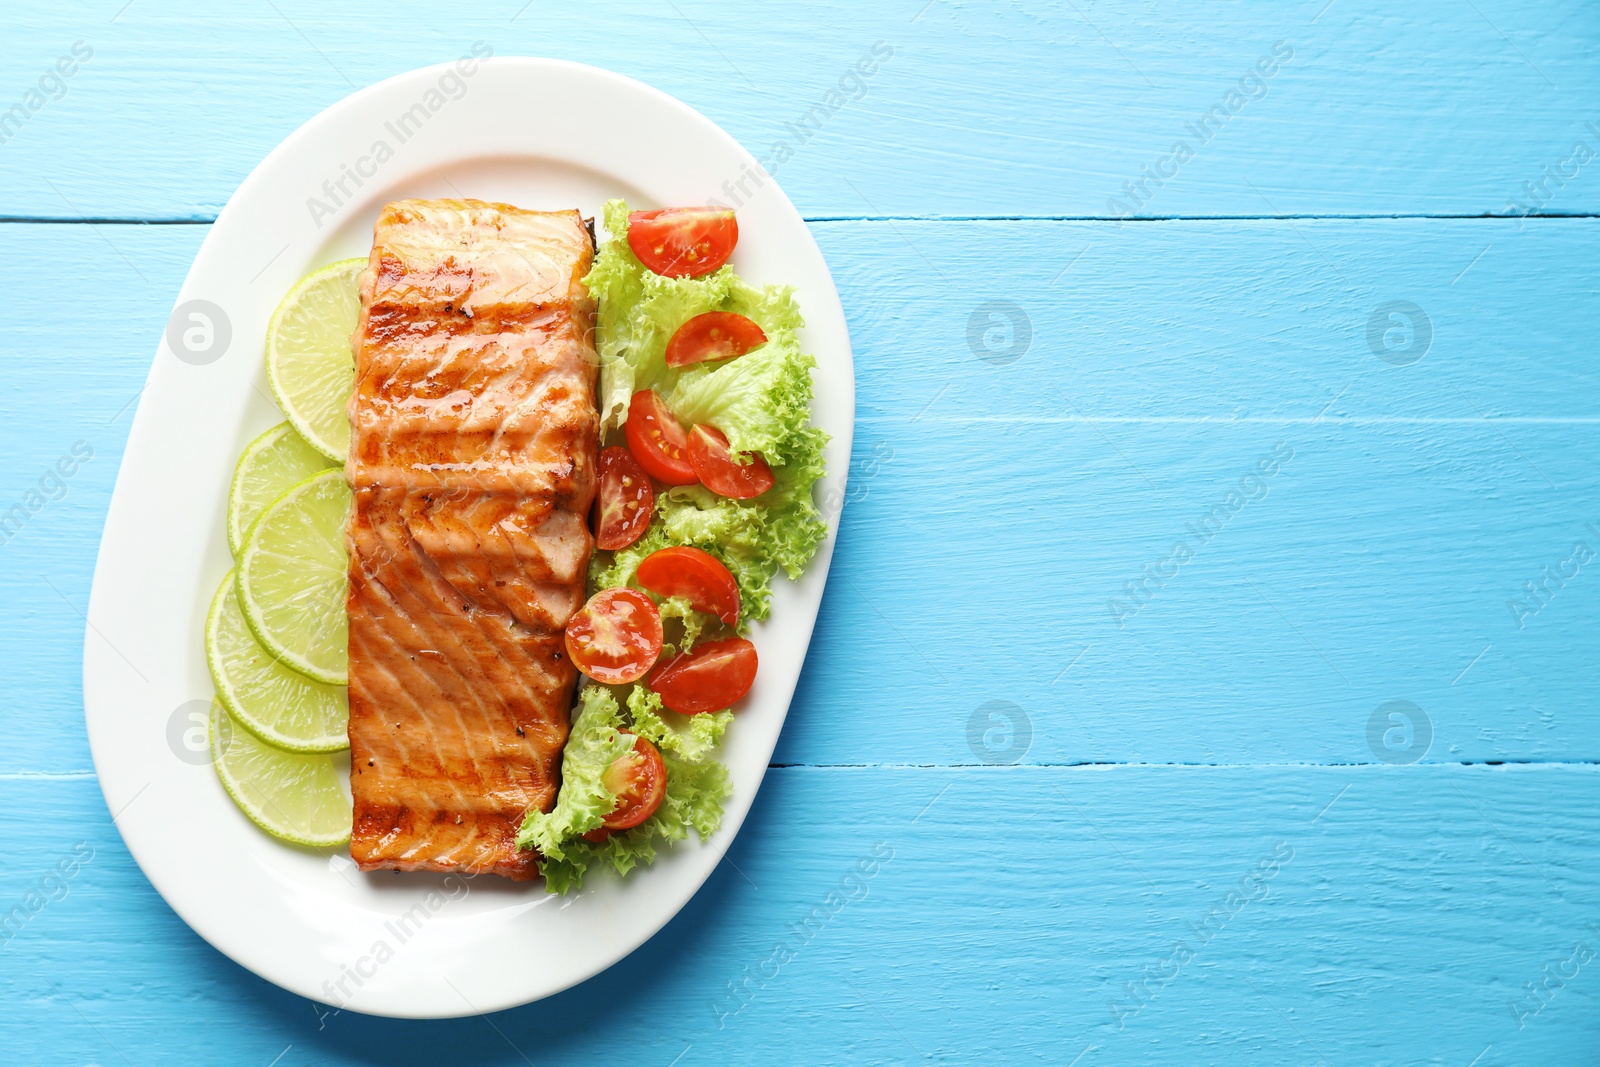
{"points": [[714, 335], [656, 439], [710, 459], [616, 637], [698, 577], [682, 242], [639, 779], [625, 498], [712, 677]]}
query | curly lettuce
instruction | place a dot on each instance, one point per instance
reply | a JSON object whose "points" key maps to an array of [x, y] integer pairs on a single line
{"points": [[697, 786], [693, 801], [639, 311], [595, 741], [692, 625], [689, 737], [754, 539], [760, 400]]}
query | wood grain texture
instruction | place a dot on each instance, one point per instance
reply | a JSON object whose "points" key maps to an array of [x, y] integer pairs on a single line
{"points": [[982, 916], [74, 370], [1381, 562], [1220, 320], [1043, 781], [984, 109]]}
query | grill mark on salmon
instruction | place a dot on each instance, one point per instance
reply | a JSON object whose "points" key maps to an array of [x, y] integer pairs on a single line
{"points": [[472, 460]]}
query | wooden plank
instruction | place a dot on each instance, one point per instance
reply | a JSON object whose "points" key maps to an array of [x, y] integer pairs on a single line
{"points": [[1424, 912], [995, 915], [1221, 320], [79, 339], [1377, 564], [1384, 561], [982, 109], [1389, 559]]}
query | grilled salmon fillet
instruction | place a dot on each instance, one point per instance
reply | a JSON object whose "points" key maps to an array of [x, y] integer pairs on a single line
{"points": [[472, 461]]}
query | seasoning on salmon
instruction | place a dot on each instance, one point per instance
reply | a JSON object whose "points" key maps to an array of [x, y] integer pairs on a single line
{"points": [[472, 459]]}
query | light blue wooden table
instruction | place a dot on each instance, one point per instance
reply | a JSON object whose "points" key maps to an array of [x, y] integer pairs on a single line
{"points": [[1209, 657]]}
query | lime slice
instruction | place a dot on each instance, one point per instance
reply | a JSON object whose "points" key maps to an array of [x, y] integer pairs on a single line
{"points": [[309, 361], [270, 464], [298, 796], [278, 705], [292, 579]]}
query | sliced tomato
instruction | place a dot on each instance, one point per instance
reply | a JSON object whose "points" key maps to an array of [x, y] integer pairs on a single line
{"points": [[616, 637], [656, 439], [639, 780], [697, 576], [625, 499], [721, 473], [714, 676], [682, 242], [714, 335]]}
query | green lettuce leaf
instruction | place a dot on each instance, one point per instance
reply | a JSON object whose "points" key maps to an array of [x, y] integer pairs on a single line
{"points": [[696, 792], [759, 400], [781, 528], [691, 515], [697, 786], [595, 741], [616, 281], [693, 801], [639, 311], [694, 624], [689, 737], [794, 525]]}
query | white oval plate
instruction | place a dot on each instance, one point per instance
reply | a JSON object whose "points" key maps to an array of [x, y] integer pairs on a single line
{"points": [[536, 133]]}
